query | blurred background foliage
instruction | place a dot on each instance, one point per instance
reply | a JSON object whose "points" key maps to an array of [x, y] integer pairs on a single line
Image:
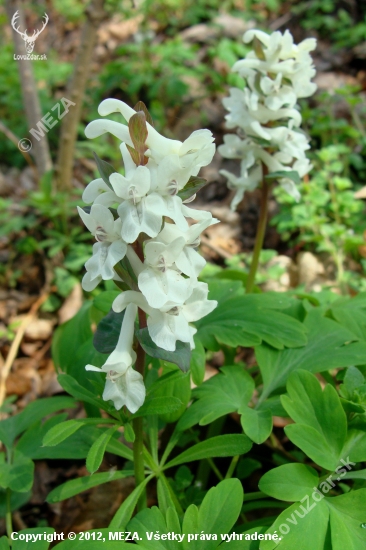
{"points": [[176, 55]]}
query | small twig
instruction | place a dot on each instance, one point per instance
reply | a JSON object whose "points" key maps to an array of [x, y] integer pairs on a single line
{"points": [[15, 345], [283, 20]]}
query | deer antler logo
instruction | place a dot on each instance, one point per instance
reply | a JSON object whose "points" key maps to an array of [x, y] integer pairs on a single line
{"points": [[29, 40]]}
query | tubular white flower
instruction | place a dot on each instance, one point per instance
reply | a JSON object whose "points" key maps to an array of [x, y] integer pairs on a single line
{"points": [[196, 151], [171, 322], [159, 281], [98, 191], [109, 249], [188, 261], [278, 72], [247, 181], [124, 385]]}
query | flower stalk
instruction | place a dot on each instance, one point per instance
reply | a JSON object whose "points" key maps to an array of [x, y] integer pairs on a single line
{"points": [[259, 239]]}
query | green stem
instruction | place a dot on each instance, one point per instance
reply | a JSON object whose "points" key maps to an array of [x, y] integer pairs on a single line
{"points": [[138, 426], [138, 460], [254, 496], [215, 469], [261, 229], [232, 466], [8, 518], [203, 473]]}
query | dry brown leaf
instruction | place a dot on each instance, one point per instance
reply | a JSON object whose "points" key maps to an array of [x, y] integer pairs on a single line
{"points": [[71, 305], [39, 329]]}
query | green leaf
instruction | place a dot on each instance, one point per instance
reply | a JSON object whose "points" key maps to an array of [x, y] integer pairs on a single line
{"points": [[324, 350], [353, 379], [11, 427], [4, 544], [295, 525], [198, 362], [222, 394], [151, 520], [289, 482], [76, 446], [236, 322], [80, 484], [164, 495], [72, 349], [192, 187], [221, 445], [358, 474], [70, 385], [351, 313], [181, 356], [68, 338], [320, 519], [290, 174], [125, 511], [108, 331], [159, 405], [217, 514], [31, 442], [104, 300], [190, 522], [97, 450], [347, 514], [105, 169], [256, 423], [17, 476], [129, 433], [173, 383], [321, 424], [60, 432]]}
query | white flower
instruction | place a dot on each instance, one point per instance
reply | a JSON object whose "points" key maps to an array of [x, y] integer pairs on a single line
{"points": [[99, 192], [188, 261], [247, 181], [140, 212], [109, 249], [124, 385], [159, 281], [278, 72], [250, 115], [277, 94], [196, 151], [171, 322], [236, 148]]}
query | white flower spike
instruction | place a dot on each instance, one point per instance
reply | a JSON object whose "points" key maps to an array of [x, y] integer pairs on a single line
{"points": [[145, 241], [277, 73]]}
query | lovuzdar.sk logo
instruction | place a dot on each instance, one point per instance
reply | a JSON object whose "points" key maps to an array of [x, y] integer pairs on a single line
{"points": [[29, 40]]}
